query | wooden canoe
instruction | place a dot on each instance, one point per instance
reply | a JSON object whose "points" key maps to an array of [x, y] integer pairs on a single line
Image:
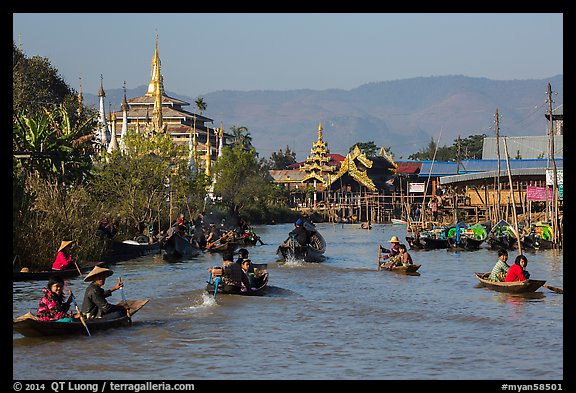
{"points": [[312, 252], [46, 274], [129, 249], [175, 247], [398, 221], [223, 246], [30, 326], [509, 287], [403, 269], [260, 277]]}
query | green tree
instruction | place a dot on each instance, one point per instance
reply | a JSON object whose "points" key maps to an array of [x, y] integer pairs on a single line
{"points": [[55, 145], [201, 104], [281, 159], [470, 147], [141, 183], [432, 151], [36, 85], [240, 182], [241, 138], [367, 148]]}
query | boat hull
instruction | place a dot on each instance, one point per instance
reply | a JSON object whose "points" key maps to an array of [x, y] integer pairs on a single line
{"points": [[312, 252], [260, 278], [404, 269], [45, 275], [126, 250], [29, 326], [527, 286], [177, 247]]}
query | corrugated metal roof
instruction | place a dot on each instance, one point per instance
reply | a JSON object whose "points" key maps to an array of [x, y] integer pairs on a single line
{"points": [[436, 168], [408, 167], [287, 175], [491, 174], [524, 146], [467, 166]]}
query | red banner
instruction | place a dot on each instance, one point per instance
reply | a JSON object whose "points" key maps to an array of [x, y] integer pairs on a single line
{"points": [[534, 193]]}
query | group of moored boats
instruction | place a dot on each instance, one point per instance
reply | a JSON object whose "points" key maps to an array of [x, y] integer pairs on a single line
{"points": [[464, 236]]}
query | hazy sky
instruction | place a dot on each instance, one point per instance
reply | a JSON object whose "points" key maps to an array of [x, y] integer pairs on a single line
{"points": [[207, 52]]}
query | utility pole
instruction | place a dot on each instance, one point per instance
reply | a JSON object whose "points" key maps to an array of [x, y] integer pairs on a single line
{"points": [[497, 180], [554, 215]]}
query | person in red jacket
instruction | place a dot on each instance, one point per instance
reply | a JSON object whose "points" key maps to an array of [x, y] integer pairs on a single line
{"points": [[517, 270], [63, 259]]}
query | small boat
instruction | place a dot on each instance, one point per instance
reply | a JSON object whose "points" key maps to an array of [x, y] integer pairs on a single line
{"points": [[540, 237], [526, 286], [175, 247], [46, 274], [312, 252], [435, 238], [248, 238], [220, 246], [414, 241], [467, 237], [130, 249], [30, 326], [260, 279], [403, 269], [398, 221], [501, 236]]}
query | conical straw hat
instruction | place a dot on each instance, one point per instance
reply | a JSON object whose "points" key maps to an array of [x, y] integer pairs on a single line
{"points": [[64, 244], [394, 240], [98, 271]]}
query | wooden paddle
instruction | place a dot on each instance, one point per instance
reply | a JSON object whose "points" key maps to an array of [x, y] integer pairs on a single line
{"points": [[214, 242], [79, 271], [554, 289], [79, 312], [379, 256], [124, 298]]}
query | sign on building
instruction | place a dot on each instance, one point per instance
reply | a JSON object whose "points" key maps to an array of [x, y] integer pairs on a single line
{"points": [[550, 176], [416, 187], [534, 193]]}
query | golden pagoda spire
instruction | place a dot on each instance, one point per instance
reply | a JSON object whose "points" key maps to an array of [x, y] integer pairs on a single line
{"points": [[155, 73], [208, 160], [195, 146], [157, 120], [80, 99], [220, 139], [316, 164]]}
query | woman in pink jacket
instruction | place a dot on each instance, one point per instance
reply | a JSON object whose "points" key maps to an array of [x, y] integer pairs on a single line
{"points": [[63, 259]]}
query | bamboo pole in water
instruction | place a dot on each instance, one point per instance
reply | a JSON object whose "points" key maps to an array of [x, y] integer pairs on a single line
{"points": [[513, 202]]}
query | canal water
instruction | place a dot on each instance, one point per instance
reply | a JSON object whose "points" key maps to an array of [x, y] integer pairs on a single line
{"points": [[336, 320]]}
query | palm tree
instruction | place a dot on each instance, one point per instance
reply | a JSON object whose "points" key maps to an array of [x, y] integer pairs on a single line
{"points": [[242, 138], [200, 104]]}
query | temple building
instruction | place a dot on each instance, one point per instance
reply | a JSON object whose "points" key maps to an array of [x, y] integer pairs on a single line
{"points": [[155, 111], [317, 168], [326, 172]]}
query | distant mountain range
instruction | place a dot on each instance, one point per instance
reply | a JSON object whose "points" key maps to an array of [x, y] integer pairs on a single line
{"points": [[402, 114]]}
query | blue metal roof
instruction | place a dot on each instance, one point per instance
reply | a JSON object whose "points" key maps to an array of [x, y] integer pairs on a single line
{"points": [[470, 166], [444, 168], [438, 168]]}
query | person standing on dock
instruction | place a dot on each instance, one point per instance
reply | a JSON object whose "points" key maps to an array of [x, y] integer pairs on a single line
{"points": [[433, 205]]}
